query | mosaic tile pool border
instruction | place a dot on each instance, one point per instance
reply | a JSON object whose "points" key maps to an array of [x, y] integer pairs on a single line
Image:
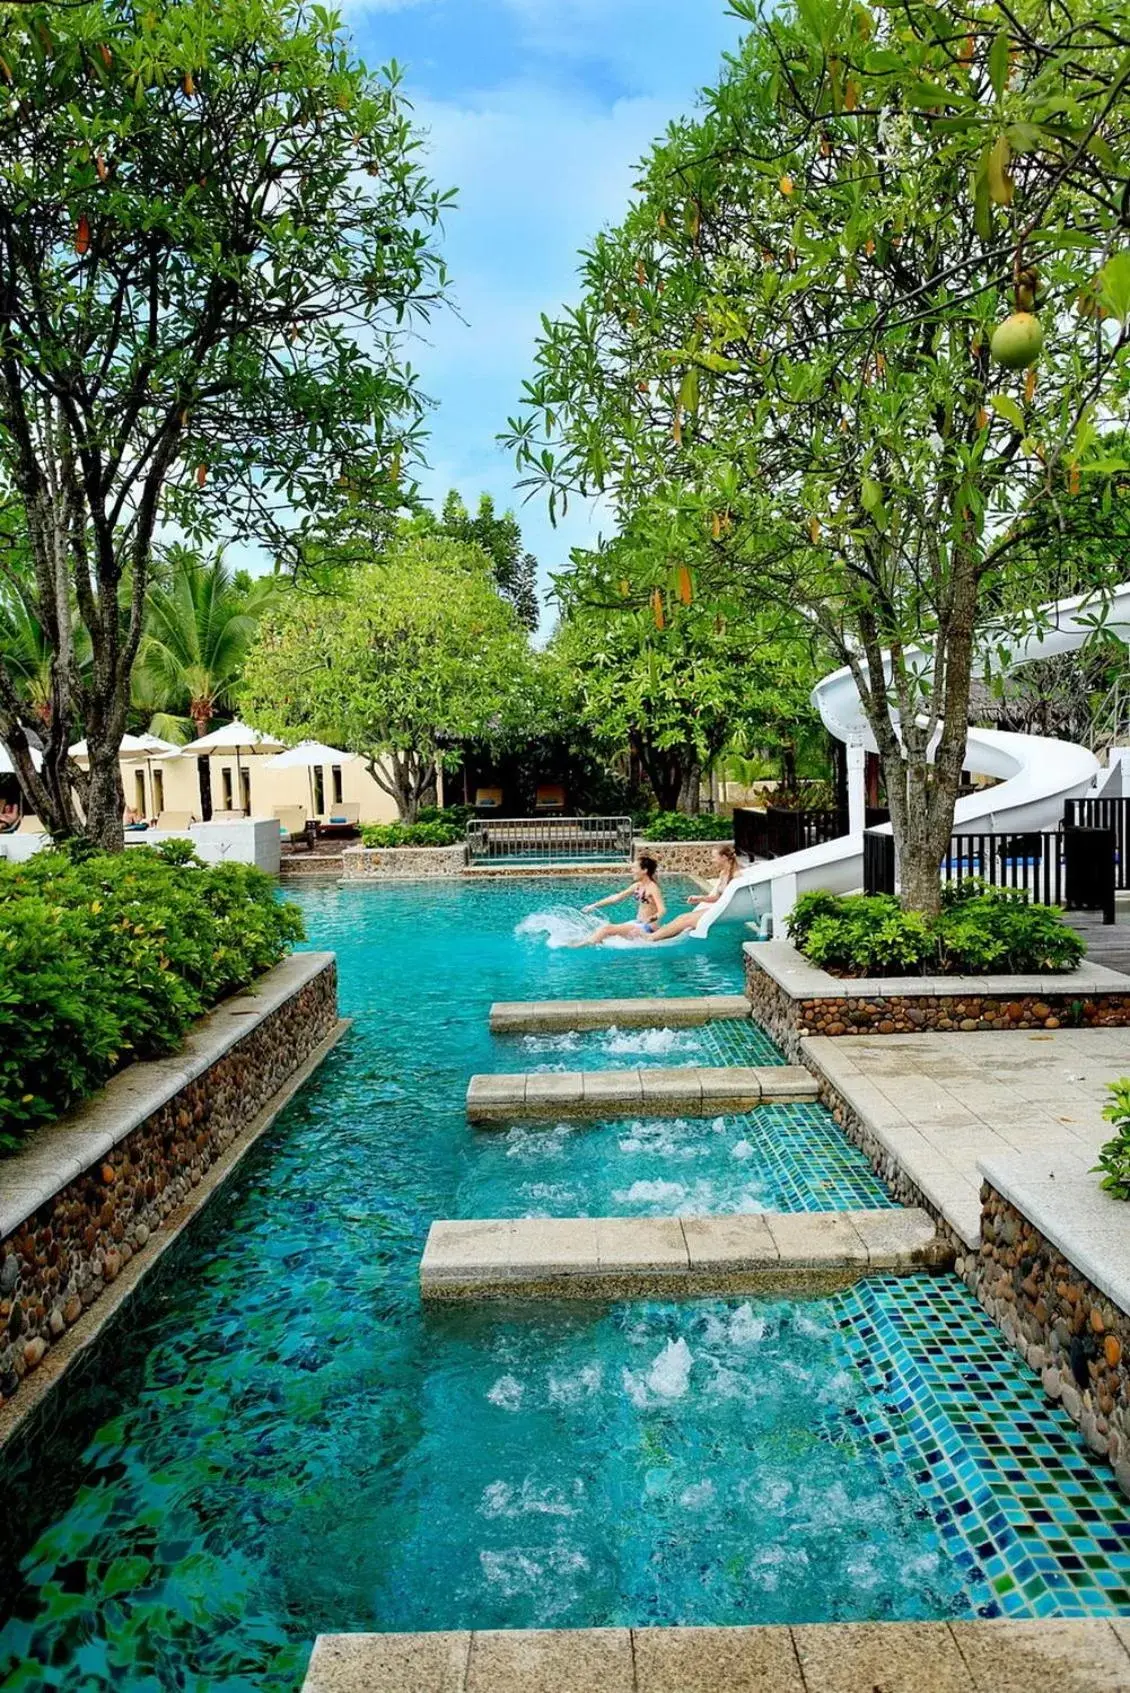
{"points": [[1022, 1504], [716, 1045]]}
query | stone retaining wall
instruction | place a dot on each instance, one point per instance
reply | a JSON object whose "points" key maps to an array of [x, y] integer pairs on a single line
{"points": [[684, 858], [1061, 1323], [402, 863], [78, 1234], [790, 1012]]}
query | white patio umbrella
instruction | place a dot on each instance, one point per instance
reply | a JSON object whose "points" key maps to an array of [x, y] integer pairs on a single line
{"points": [[136, 749], [240, 739], [7, 768], [308, 755]]}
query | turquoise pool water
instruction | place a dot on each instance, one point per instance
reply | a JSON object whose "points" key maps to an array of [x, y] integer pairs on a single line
{"points": [[626, 1049], [279, 1441], [778, 1158]]}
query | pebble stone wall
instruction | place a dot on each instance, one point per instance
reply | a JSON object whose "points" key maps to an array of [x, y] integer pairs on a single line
{"points": [[402, 863], [790, 1020], [59, 1260], [1061, 1323]]}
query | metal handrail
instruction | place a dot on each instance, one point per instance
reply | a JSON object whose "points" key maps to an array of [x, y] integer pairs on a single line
{"points": [[547, 839]]}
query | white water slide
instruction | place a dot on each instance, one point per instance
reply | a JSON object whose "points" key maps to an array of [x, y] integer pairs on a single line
{"points": [[1034, 774]]}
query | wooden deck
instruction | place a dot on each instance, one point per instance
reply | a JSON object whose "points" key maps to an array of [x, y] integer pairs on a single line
{"points": [[1107, 943]]}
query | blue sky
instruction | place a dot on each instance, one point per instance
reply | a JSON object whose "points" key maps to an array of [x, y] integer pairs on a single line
{"points": [[537, 112]]}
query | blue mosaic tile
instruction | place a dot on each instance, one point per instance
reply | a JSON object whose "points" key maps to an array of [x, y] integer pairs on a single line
{"points": [[1041, 1526]]}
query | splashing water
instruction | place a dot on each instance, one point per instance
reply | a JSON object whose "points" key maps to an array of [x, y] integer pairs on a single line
{"points": [[558, 926]]}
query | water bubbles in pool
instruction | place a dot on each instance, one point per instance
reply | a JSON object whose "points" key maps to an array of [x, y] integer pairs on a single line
{"points": [[503, 1499], [651, 1193], [668, 1378], [571, 1388], [507, 1393]]}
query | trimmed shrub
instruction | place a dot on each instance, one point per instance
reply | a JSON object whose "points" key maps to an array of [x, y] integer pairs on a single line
{"points": [[680, 826], [111, 958], [432, 834], [984, 931], [1114, 1156]]}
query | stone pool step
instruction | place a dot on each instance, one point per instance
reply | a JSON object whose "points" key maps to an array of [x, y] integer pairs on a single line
{"points": [[672, 1257], [1005, 1655], [553, 1016], [689, 1091]]}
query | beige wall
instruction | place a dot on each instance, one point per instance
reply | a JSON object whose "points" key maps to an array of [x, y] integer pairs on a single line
{"points": [[271, 790]]}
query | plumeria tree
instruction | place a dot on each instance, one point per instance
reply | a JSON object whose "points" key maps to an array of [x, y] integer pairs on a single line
{"points": [[408, 657], [866, 324], [214, 232]]}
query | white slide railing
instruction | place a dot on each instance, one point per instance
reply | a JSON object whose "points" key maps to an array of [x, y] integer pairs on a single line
{"points": [[1034, 774]]}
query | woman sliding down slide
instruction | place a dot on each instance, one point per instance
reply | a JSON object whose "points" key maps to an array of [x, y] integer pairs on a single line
{"points": [[727, 861], [651, 907]]}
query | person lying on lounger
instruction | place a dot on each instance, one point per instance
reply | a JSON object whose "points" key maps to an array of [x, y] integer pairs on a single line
{"points": [[650, 906], [726, 860]]}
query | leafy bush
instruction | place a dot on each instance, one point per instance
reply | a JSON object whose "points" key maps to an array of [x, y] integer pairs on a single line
{"points": [[1114, 1157], [680, 826], [456, 815], [412, 834], [982, 931], [111, 958]]}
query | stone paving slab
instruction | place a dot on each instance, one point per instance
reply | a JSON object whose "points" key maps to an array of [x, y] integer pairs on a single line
{"points": [[690, 1091], [944, 1106], [512, 1017], [1000, 1656], [620, 1257]]}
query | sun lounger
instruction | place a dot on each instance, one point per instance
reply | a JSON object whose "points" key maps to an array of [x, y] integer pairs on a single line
{"points": [[488, 799], [551, 797], [342, 820], [292, 821], [175, 822], [30, 825]]}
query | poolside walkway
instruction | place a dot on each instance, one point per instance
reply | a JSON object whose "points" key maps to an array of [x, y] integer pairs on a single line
{"points": [[687, 1091], [542, 1016], [1003, 1656], [942, 1105]]}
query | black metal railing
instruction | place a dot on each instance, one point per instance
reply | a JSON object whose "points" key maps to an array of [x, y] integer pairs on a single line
{"points": [[1072, 867], [779, 830], [549, 840], [1105, 814]]}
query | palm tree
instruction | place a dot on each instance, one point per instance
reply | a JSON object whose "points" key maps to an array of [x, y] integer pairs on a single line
{"points": [[199, 624]]}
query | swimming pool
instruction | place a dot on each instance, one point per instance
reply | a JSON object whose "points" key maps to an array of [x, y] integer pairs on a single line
{"points": [[280, 1441]]}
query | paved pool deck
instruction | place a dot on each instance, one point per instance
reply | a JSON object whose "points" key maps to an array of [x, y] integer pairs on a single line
{"points": [[1022, 1109], [1002, 1656]]}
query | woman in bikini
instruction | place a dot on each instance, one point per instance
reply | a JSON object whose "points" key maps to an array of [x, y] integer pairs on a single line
{"points": [[726, 860], [650, 906]]}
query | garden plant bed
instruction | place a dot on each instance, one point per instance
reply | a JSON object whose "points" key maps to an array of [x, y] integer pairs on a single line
{"points": [[792, 999], [89, 1192]]}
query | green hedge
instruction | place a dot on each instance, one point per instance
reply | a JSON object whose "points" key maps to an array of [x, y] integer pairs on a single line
{"points": [[112, 959], [679, 826], [433, 834], [980, 931]]}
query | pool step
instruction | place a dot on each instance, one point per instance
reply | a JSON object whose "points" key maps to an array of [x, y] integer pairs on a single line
{"points": [[1076, 1655], [690, 1091], [671, 1257], [555, 1016]]}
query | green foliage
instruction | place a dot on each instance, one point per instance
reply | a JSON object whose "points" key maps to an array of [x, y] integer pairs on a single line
{"points": [[983, 932], [216, 241], [674, 677], [784, 345], [1114, 1156], [681, 826], [410, 655], [111, 959], [431, 834], [515, 569], [199, 626], [457, 815]]}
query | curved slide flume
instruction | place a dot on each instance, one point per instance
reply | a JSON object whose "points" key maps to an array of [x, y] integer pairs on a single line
{"points": [[1034, 774]]}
